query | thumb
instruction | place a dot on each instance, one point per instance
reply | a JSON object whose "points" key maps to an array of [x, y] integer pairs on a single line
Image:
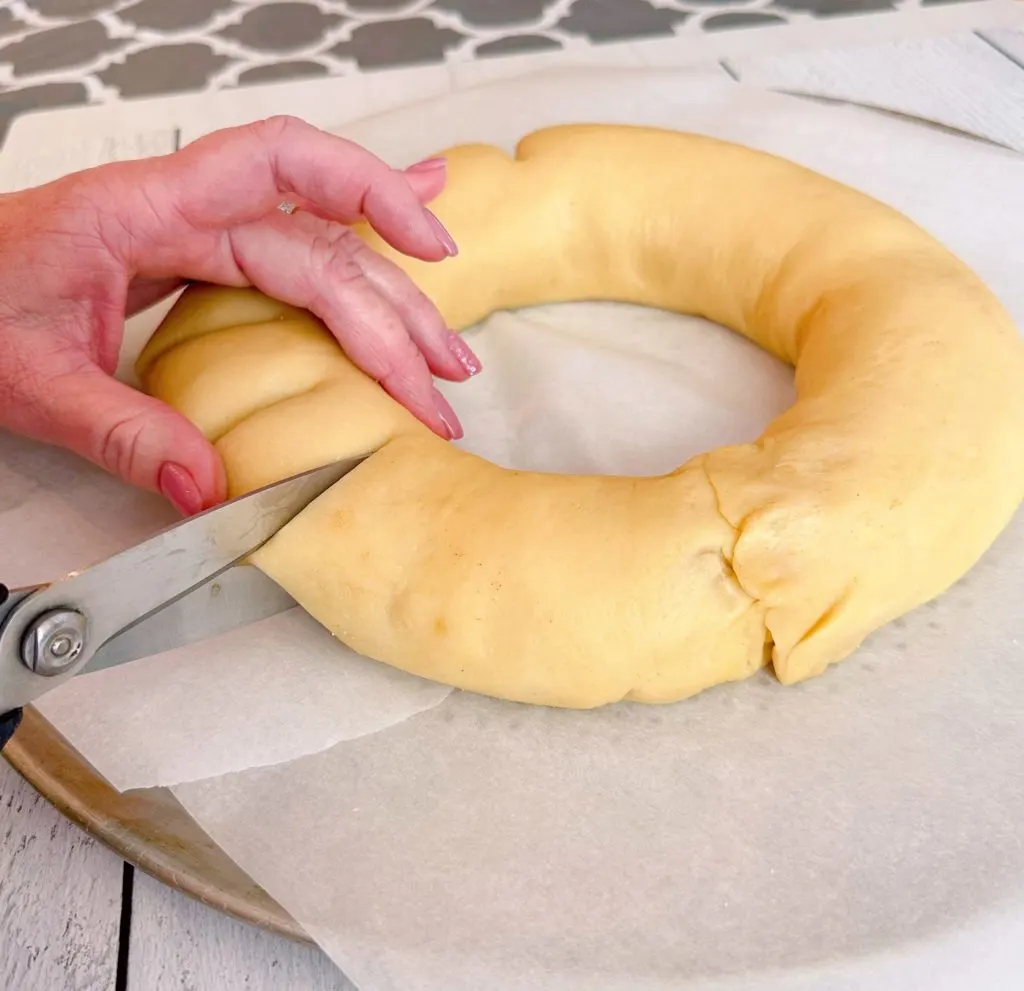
{"points": [[131, 435]]}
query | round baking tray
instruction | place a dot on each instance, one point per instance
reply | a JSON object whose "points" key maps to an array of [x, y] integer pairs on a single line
{"points": [[149, 829]]}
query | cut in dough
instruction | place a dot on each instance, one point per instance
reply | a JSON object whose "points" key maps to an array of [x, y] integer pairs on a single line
{"points": [[897, 467]]}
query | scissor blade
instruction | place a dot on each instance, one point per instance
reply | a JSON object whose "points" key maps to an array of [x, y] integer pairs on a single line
{"points": [[240, 596], [126, 589]]}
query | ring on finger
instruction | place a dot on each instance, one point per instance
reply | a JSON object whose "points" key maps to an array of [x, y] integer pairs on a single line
{"points": [[287, 207]]}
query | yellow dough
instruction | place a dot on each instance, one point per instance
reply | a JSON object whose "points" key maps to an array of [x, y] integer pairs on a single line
{"points": [[899, 464]]}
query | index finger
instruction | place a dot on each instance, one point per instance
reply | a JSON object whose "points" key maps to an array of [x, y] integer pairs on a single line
{"points": [[237, 175]]}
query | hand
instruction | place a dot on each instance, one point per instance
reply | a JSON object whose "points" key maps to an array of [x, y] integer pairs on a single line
{"points": [[79, 255]]}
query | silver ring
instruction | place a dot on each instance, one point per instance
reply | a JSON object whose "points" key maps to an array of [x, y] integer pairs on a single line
{"points": [[286, 207]]}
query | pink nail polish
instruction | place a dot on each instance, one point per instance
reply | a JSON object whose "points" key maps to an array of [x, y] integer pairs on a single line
{"points": [[179, 488], [428, 165], [464, 353], [444, 238], [448, 417]]}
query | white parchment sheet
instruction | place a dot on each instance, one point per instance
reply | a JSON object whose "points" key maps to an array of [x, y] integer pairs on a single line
{"points": [[858, 831]]}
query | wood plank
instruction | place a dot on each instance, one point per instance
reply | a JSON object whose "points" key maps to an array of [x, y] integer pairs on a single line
{"points": [[178, 943], [961, 82], [60, 897]]}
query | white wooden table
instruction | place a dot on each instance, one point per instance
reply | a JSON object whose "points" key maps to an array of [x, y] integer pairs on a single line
{"points": [[74, 918]]}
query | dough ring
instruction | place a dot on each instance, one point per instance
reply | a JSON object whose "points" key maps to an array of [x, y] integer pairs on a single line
{"points": [[899, 464]]}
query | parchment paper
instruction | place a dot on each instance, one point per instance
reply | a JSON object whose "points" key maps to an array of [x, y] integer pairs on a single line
{"points": [[161, 719], [859, 831]]}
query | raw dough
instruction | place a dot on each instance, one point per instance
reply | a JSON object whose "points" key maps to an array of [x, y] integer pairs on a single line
{"points": [[897, 467]]}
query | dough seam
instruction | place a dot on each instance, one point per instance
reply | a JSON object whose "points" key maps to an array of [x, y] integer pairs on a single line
{"points": [[216, 439], [828, 614], [151, 354], [727, 562]]}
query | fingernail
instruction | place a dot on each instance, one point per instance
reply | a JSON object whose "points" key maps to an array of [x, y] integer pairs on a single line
{"points": [[179, 488], [447, 414], [428, 165], [464, 353], [446, 240]]}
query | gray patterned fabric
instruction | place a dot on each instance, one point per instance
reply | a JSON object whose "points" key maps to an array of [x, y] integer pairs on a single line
{"points": [[66, 52]]}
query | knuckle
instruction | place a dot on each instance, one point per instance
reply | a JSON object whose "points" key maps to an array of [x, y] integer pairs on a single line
{"points": [[278, 127], [371, 354], [404, 368], [120, 445], [378, 365], [338, 263], [333, 256], [423, 308]]}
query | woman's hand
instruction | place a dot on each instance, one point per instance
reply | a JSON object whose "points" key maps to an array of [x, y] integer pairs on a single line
{"points": [[79, 255]]}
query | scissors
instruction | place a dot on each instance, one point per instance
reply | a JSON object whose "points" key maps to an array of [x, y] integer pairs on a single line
{"points": [[50, 633]]}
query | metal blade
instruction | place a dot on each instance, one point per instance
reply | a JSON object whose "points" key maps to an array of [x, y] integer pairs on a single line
{"points": [[114, 596], [236, 597]]}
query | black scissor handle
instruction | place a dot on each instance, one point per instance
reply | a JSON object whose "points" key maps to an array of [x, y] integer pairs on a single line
{"points": [[9, 722]]}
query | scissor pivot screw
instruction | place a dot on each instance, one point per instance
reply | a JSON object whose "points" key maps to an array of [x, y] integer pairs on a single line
{"points": [[53, 642]]}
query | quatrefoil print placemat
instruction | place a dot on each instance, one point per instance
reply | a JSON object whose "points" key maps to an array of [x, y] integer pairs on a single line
{"points": [[62, 53]]}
